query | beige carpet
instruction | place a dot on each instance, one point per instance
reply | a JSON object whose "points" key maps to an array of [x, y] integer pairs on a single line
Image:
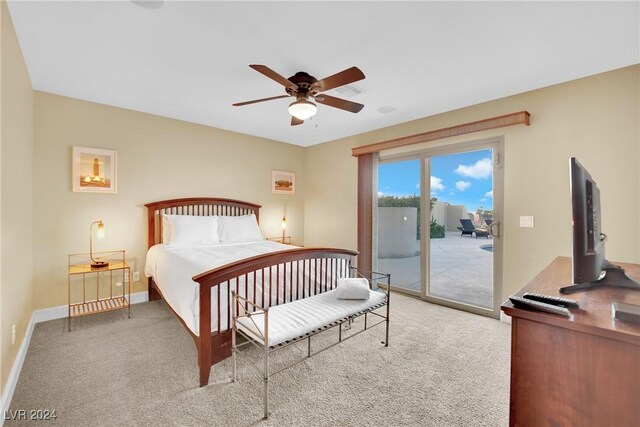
{"points": [[443, 368]]}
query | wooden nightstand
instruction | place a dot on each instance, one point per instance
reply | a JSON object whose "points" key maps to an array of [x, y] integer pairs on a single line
{"points": [[101, 281]]}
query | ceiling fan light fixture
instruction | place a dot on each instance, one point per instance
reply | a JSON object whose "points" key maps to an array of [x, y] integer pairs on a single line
{"points": [[302, 109]]}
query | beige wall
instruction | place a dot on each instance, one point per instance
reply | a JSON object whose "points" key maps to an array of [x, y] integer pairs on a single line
{"points": [[596, 119], [16, 178], [158, 158]]}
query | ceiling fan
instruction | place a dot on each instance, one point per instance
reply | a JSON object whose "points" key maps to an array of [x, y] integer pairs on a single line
{"points": [[303, 86]]}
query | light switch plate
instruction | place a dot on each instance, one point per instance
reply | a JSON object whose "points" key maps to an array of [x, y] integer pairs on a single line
{"points": [[526, 221]]}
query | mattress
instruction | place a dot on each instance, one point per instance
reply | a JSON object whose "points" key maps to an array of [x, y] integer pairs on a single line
{"points": [[172, 268], [294, 319]]}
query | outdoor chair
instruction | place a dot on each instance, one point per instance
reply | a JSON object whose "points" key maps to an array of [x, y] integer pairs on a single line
{"points": [[469, 228]]}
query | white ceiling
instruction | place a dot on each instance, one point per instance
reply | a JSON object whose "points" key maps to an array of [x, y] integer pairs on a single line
{"points": [[189, 60]]}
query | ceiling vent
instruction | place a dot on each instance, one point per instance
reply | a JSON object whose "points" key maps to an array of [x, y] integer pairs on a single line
{"points": [[349, 90]]}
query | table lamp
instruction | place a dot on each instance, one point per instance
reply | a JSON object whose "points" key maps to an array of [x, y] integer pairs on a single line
{"points": [[94, 262], [284, 227]]}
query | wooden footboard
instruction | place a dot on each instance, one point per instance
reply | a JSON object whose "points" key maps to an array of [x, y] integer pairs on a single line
{"points": [[266, 280]]}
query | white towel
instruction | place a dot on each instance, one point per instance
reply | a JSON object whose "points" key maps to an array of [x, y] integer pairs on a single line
{"points": [[352, 289]]}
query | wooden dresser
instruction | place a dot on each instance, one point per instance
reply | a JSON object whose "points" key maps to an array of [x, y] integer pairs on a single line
{"points": [[582, 371]]}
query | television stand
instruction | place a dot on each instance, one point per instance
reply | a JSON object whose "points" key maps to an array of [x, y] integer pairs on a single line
{"points": [[614, 276], [578, 371]]}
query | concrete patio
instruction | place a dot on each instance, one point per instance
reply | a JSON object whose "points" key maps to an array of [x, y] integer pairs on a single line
{"points": [[461, 270]]}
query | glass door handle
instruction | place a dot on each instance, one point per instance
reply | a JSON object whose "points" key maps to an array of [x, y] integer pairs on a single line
{"points": [[494, 229]]}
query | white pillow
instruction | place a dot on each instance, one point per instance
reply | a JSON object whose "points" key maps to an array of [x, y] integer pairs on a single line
{"points": [[352, 288], [237, 229], [189, 229], [166, 230]]}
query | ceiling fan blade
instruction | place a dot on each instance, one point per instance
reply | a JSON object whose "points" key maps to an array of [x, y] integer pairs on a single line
{"points": [[340, 103], [240, 104], [263, 69], [296, 121], [342, 78]]}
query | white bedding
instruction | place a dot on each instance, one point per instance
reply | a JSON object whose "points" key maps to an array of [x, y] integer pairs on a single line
{"points": [[297, 318], [172, 268]]}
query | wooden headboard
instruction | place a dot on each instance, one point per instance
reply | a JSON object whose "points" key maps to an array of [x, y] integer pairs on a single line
{"points": [[201, 206]]}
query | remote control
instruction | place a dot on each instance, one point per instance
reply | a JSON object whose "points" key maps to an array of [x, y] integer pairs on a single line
{"points": [[540, 306], [562, 302]]}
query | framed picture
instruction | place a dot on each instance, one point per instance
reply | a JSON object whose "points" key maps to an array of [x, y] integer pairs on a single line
{"points": [[93, 170], [283, 182]]}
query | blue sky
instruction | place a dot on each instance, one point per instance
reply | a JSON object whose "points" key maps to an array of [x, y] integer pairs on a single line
{"points": [[460, 179]]}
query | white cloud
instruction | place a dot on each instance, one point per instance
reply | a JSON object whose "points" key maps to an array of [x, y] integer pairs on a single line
{"points": [[463, 185], [418, 185], [436, 184], [380, 194], [489, 194], [480, 169], [484, 199]]}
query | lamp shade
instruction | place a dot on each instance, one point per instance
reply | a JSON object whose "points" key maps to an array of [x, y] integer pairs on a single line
{"points": [[96, 263], [100, 232], [302, 109]]}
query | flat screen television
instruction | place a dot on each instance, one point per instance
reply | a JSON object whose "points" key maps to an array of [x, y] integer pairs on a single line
{"points": [[590, 268]]}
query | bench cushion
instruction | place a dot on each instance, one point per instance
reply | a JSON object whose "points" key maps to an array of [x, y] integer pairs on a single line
{"points": [[297, 318]]}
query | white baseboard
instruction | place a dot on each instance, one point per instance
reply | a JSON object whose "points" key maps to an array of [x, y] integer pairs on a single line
{"points": [[16, 368], [38, 316], [505, 318]]}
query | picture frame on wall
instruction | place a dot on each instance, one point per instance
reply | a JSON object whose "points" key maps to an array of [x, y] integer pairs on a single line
{"points": [[283, 182], [94, 170]]}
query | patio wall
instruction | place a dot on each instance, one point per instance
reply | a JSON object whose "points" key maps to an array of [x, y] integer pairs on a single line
{"points": [[397, 232], [439, 213], [448, 215], [454, 214]]}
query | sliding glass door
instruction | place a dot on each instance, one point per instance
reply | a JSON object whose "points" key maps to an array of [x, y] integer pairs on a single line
{"points": [[438, 225]]}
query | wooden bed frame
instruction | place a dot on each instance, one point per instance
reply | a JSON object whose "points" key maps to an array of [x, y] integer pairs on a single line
{"points": [[213, 347]]}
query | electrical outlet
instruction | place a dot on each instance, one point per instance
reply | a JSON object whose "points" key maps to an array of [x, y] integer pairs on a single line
{"points": [[136, 276], [13, 334]]}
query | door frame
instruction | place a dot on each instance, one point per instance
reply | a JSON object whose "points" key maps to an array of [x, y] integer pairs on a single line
{"points": [[425, 154]]}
